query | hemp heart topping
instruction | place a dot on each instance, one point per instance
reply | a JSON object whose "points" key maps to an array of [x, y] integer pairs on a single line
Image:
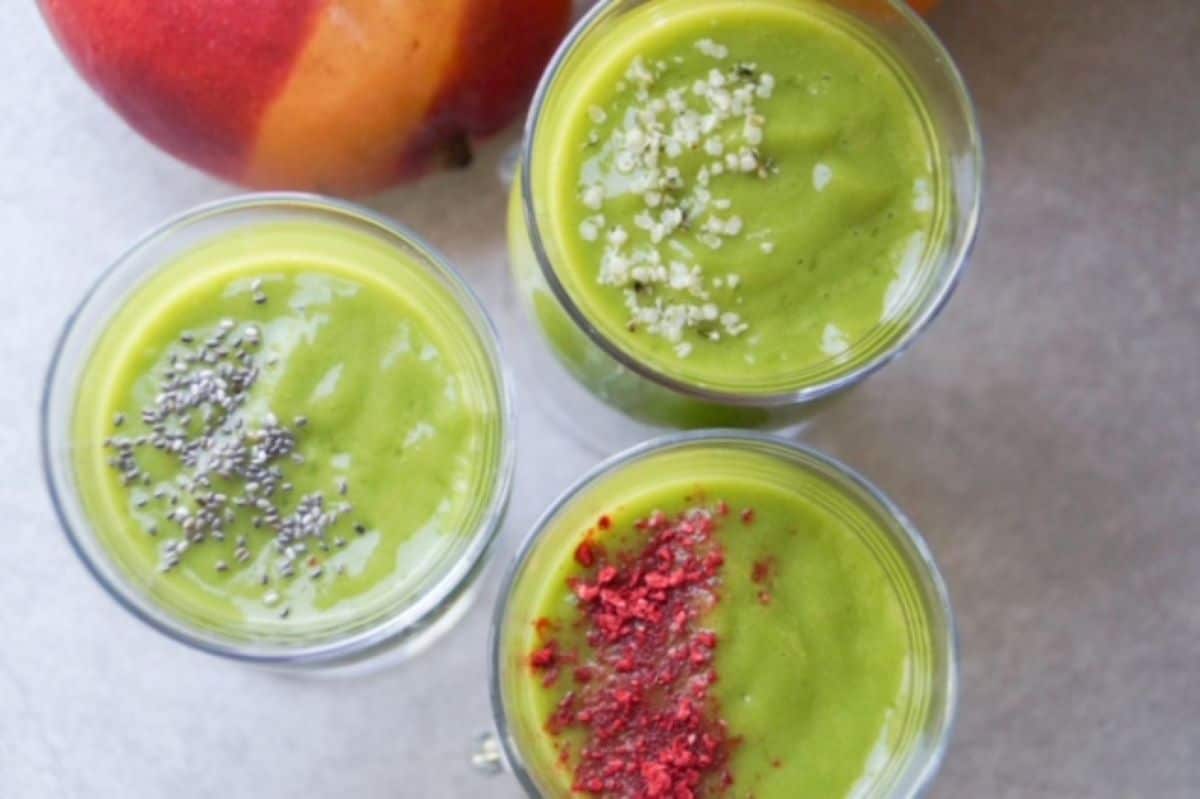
{"points": [[666, 286]]}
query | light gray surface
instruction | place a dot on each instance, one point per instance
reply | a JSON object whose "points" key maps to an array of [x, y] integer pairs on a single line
{"points": [[1045, 435]]}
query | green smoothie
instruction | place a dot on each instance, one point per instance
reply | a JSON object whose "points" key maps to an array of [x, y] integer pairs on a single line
{"points": [[813, 637], [743, 196], [293, 430]]}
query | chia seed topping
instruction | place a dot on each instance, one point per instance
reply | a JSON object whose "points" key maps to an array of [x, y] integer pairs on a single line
{"points": [[225, 466]]}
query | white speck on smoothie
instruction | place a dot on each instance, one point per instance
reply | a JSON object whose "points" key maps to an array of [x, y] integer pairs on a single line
{"points": [[767, 247], [423, 431], [713, 50], [638, 73], [587, 229], [429, 353], [593, 197], [752, 130], [908, 269], [733, 323], [923, 196], [597, 115], [400, 345], [822, 175], [833, 341], [328, 383], [766, 86]]}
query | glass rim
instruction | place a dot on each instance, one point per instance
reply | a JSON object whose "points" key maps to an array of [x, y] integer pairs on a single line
{"points": [[675, 441], [393, 628], [958, 257]]}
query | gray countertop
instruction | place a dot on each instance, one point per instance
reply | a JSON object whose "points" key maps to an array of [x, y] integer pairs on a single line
{"points": [[1045, 435]]}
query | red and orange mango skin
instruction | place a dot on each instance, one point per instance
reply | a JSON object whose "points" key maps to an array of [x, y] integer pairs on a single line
{"points": [[338, 96]]}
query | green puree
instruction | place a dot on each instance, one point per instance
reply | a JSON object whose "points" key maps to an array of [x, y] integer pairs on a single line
{"points": [[815, 658], [808, 205], [400, 423]]}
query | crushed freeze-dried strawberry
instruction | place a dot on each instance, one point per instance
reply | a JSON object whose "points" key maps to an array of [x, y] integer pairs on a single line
{"points": [[642, 692]]}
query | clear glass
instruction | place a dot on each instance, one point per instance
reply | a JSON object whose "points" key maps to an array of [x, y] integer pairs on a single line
{"points": [[626, 399], [897, 544], [390, 634]]}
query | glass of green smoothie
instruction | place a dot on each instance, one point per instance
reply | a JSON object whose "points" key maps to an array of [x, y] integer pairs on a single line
{"points": [[278, 429], [732, 210], [724, 613]]}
